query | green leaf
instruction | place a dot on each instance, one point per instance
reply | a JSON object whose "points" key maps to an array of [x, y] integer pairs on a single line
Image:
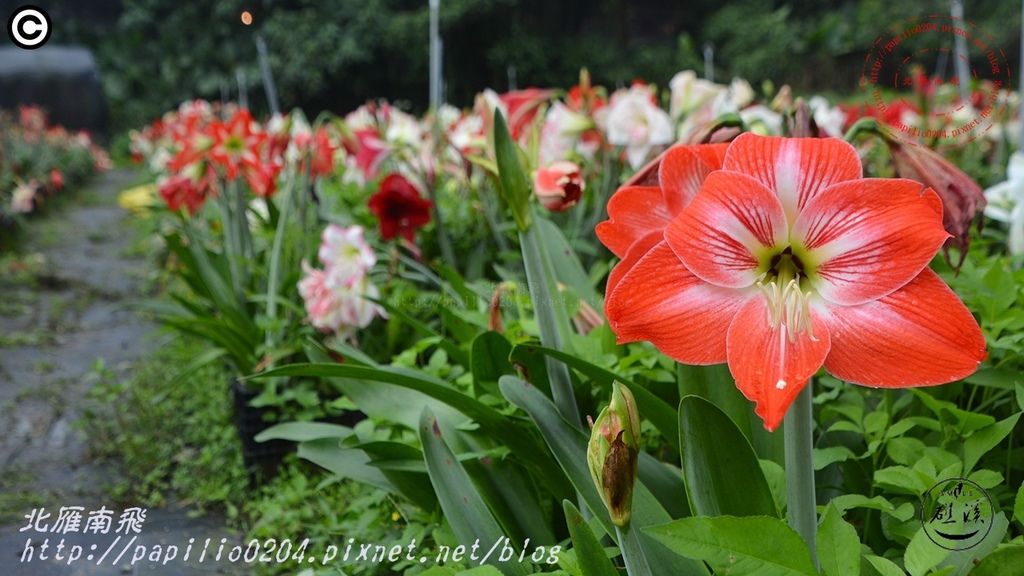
{"points": [[884, 567], [823, 457], [489, 361], [922, 554], [515, 189], [567, 265], [1005, 561], [651, 408], [1018, 506], [716, 385], [720, 481], [359, 383], [463, 507], [344, 462], [981, 441], [589, 553], [752, 545], [303, 431], [838, 545]]}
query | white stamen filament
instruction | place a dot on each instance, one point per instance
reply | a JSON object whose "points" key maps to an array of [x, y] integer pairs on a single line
{"points": [[790, 306]]}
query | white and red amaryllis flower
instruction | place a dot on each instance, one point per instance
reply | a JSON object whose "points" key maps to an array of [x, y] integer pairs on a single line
{"points": [[335, 303], [561, 132], [559, 186], [345, 250], [785, 260], [633, 120]]}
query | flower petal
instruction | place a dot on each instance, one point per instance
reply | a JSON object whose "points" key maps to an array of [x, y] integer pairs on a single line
{"points": [[683, 170], [797, 169], [919, 335], [638, 250], [869, 237], [659, 300], [771, 369], [633, 212], [724, 230]]}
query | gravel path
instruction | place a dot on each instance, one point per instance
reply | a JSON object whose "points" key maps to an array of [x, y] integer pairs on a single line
{"points": [[53, 329]]}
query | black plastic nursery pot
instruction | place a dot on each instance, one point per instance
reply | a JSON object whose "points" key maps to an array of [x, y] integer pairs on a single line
{"points": [[261, 459]]}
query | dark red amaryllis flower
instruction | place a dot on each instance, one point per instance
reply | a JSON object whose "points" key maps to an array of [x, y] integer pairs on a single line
{"points": [[399, 208]]}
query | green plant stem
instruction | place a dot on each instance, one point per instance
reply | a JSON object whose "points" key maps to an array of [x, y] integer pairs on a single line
{"points": [[632, 552], [800, 493], [230, 242], [551, 318], [274, 277]]}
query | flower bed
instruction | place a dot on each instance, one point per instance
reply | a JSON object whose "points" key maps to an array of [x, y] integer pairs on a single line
{"points": [[560, 301], [38, 161]]}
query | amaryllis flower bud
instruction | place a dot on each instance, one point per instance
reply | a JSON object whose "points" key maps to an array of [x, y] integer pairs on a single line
{"points": [[962, 198], [613, 453], [559, 186]]}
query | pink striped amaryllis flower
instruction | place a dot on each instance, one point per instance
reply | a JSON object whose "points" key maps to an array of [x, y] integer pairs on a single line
{"points": [[781, 260]]}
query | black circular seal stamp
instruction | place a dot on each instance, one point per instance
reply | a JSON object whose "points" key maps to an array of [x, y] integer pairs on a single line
{"points": [[956, 514]]}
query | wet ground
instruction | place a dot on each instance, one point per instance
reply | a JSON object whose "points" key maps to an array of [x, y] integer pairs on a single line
{"points": [[64, 305]]}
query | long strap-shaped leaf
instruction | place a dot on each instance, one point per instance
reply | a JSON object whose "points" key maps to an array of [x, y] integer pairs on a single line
{"points": [[463, 507], [720, 481], [523, 444], [659, 412], [589, 553]]}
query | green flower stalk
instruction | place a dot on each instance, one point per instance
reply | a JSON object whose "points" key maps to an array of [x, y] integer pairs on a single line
{"points": [[613, 454]]}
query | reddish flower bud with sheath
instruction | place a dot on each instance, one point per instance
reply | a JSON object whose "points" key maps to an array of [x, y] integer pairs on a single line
{"points": [[785, 260], [559, 186]]}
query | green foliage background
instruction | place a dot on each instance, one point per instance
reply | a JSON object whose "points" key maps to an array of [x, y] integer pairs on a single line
{"points": [[336, 54]]}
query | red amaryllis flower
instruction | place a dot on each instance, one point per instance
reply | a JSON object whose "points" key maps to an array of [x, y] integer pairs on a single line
{"points": [[236, 146], [399, 208], [323, 153], [559, 186], [189, 188], [787, 259], [370, 151], [522, 107], [641, 209], [262, 178]]}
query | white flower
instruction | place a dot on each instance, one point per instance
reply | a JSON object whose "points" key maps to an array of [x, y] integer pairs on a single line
{"points": [[633, 120], [22, 198], [561, 130], [740, 93], [1006, 202], [468, 133], [830, 119], [345, 253], [690, 92], [762, 120], [403, 130]]}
